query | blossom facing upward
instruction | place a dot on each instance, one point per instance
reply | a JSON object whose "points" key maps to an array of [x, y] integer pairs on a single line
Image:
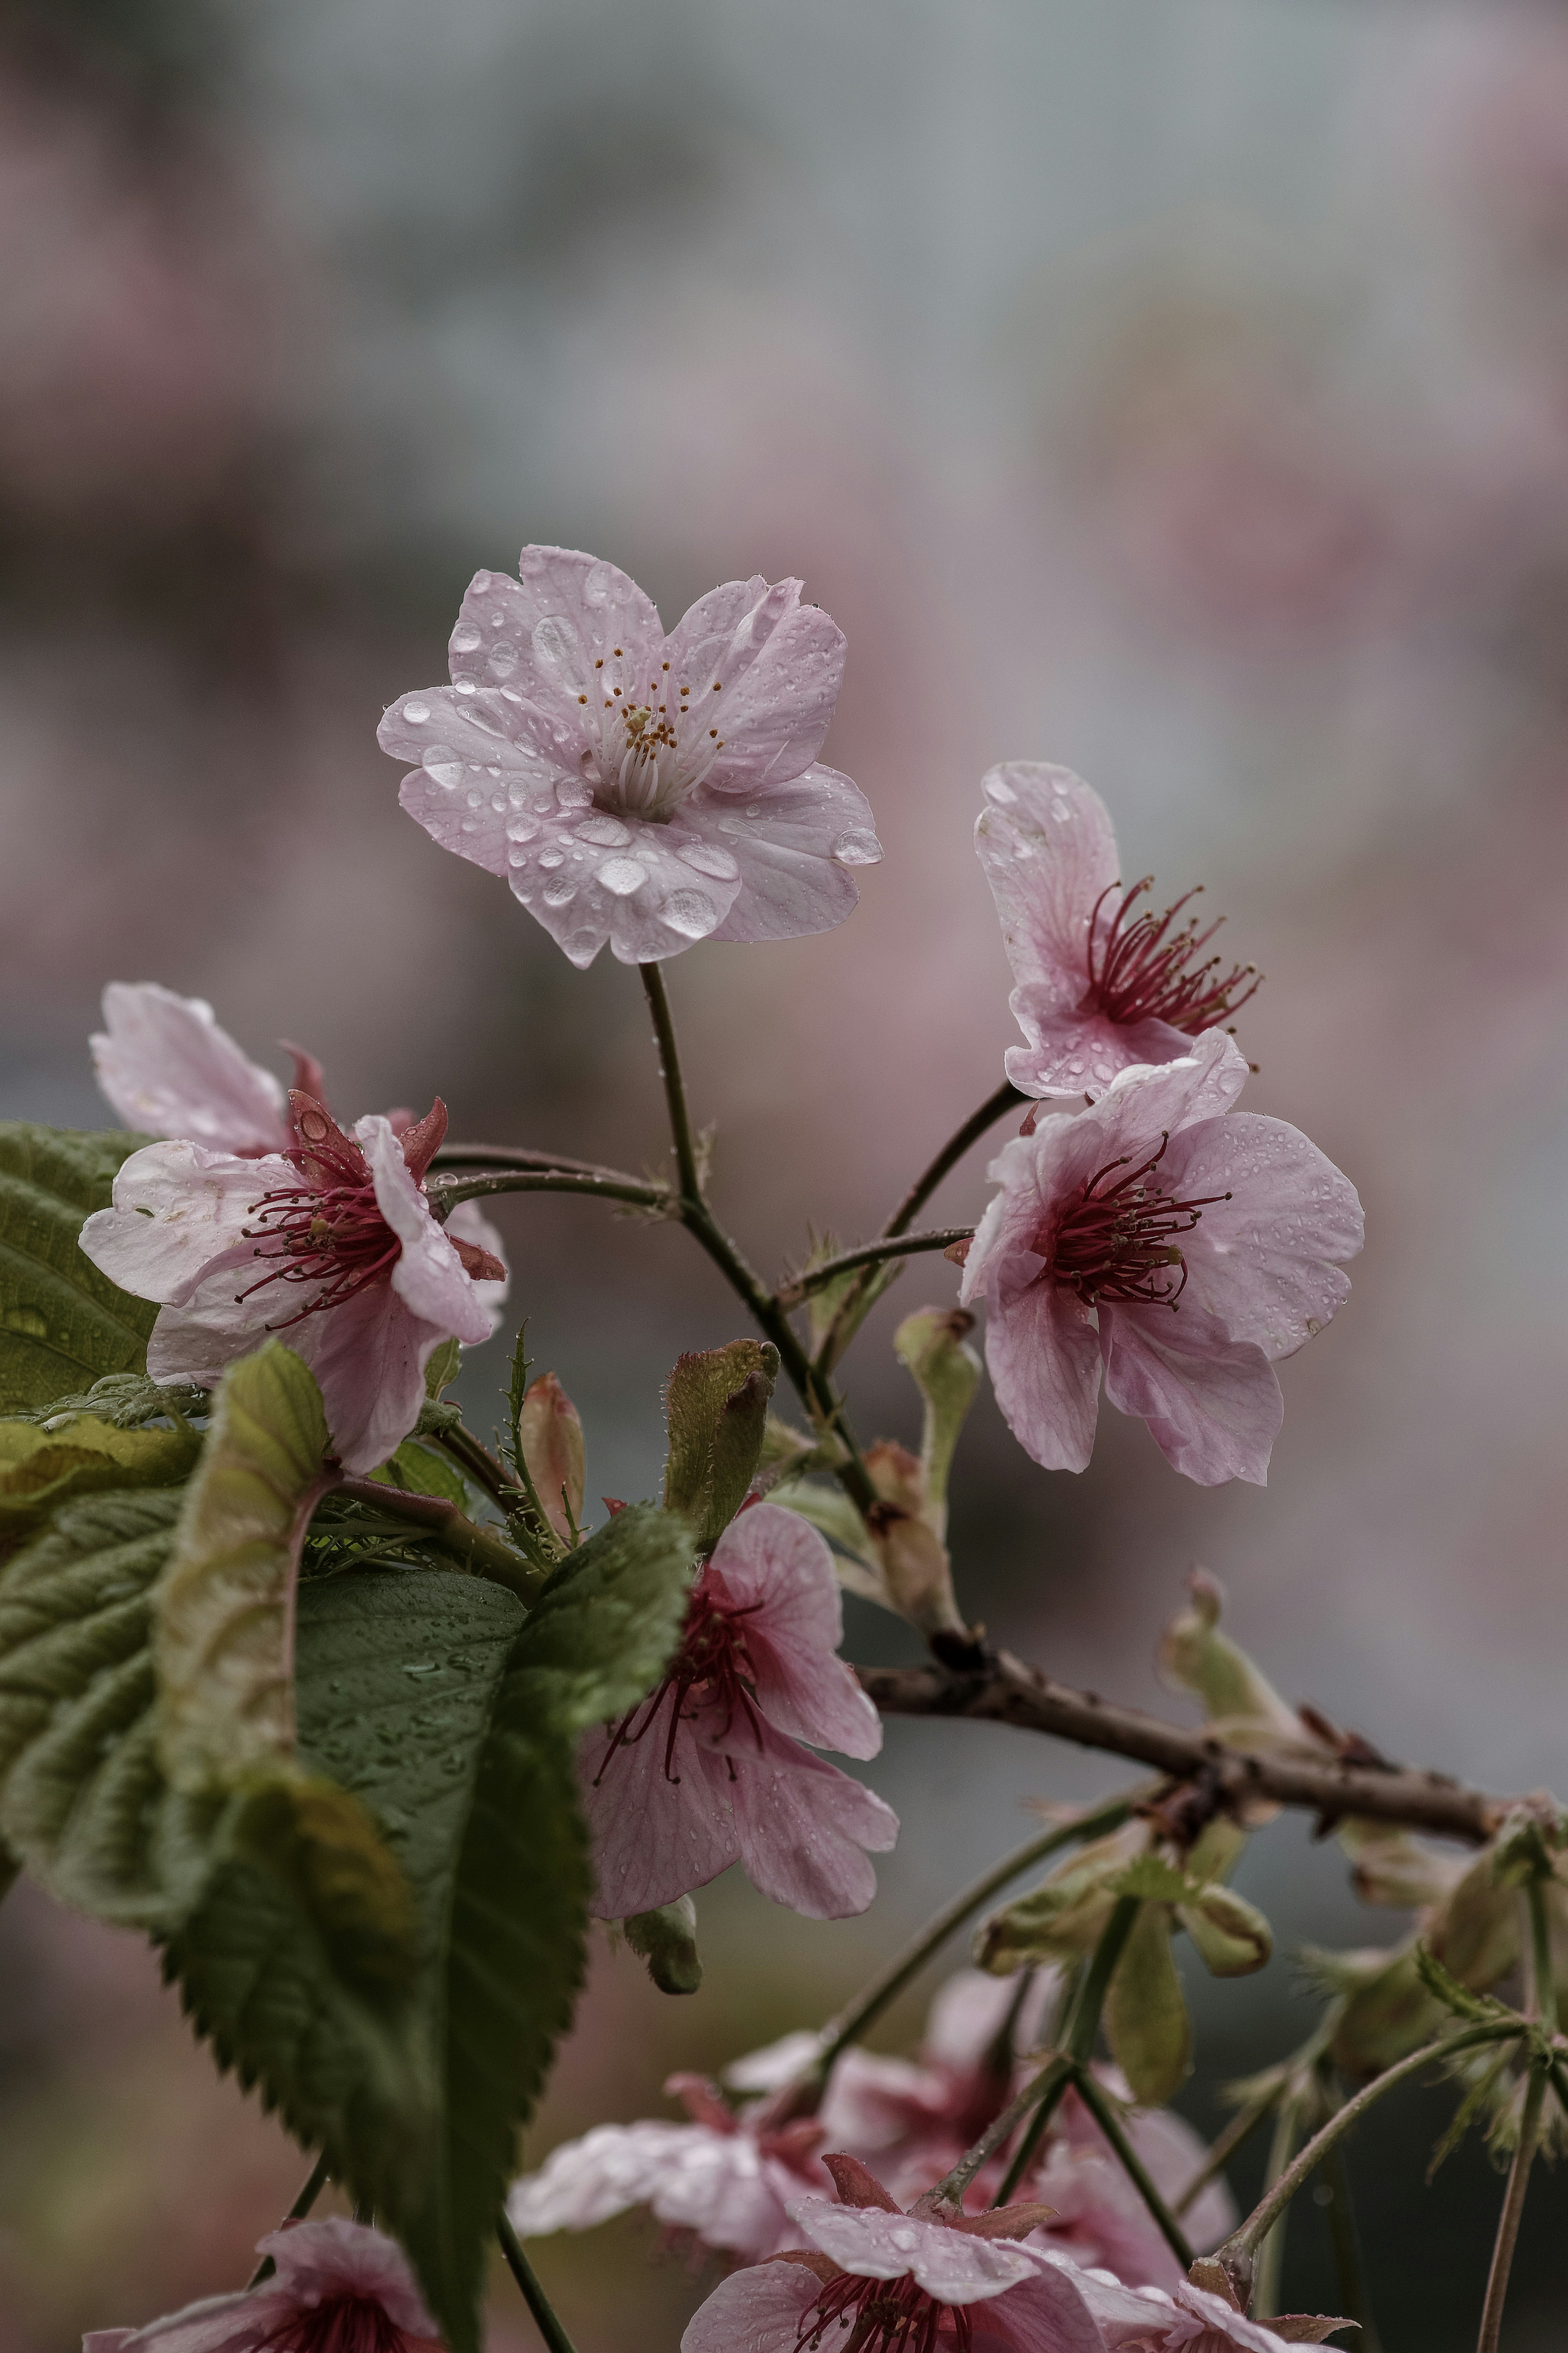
{"points": [[1098, 985], [646, 790], [874, 2279], [1185, 1247], [333, 1243], [709, 1770], [338, 2288]]}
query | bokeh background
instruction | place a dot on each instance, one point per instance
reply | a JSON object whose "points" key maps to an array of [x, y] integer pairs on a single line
{"points": [[1177, 389]]}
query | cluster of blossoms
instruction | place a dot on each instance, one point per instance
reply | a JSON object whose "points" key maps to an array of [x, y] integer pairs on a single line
{"points": [[648, 792]]}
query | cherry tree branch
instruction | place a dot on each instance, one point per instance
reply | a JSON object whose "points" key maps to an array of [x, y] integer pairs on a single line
{"points": [[1007, 1691]]}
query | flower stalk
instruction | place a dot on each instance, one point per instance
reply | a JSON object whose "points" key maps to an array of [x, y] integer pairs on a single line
{"points": [[545, 2318]]}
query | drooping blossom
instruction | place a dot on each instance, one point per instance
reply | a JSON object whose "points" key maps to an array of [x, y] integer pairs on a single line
{"points": [[169, 1070], [646, 790], [710, 1770], [1185, 1247], [728, 2179], [338, 2288], [332, 1244], [1099, 985], [1187, 2319], [875, 2279]]}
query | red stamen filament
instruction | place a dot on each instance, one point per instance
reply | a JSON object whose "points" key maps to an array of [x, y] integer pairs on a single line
{"points": [[882, 2317], [1113, 1245], [713, 1661], [341, 2324], [1139, 969], [330, 1232]]}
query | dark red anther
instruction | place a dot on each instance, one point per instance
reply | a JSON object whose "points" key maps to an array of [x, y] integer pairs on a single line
{"points": [[339, 2323], [712, 1661], [1141, 970], [1115, 1244], [874, 2315]]}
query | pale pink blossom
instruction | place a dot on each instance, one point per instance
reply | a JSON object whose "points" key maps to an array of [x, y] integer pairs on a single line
{"points": [[646, 790], [1187, 2319], [709, 1770], [1184, 1246], [332, 1244], [337, 2287], [879, 2278], [169, 1070], [729, 2179], [1098, 987]]}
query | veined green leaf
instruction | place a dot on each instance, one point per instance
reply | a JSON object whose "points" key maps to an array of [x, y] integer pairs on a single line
{"points": [[715, 1405], [40, 1468], [124, 1400], [606, 1622], [225, 1605], [420, 1471], [1146, 2020], [61, 1322]]}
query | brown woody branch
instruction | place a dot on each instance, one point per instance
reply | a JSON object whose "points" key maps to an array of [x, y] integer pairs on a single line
{"points": [[1006, 1690]]}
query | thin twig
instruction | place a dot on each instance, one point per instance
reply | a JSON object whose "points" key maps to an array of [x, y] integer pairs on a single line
{"points": [[800, 1287], [443, 1524], [507, 1155], [1271, 2254], [445, 1192], [1508, 2220], [1350, 2269], [533, 2295], [1132, 2164], [1082, 2026], [682, 1140], [1006, 1690]]}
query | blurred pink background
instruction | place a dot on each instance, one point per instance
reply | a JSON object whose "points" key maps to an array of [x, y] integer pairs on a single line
{"points": [[1177, 389]]}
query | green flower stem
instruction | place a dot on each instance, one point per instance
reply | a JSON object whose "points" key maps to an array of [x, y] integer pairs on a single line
{"points": [[1082, 2026], [792, 1294], [1110, 2123], [846, 1321], [1349, 2271], [507, 1155], [484, 1552], [890, 1980], [1043, 2095], [1508, 2220], [685, 1147], [1243, 2240], [443, 1193], [1271, 2255], [533, 2295], [1545, 1982], [315, 2181]]}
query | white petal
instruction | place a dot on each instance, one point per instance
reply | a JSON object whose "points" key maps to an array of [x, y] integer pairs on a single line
{"points": [[168, 1070]]}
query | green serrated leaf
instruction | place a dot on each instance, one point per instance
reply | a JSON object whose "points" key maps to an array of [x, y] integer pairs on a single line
{"points": [[410, 1697], [224, 1607], [606, 1622], [1146, 2020], [40, 1468], [666, 1940], [716, 1408], [418, 1470], [124, 1400], [82, 1800], [61, 1322]]}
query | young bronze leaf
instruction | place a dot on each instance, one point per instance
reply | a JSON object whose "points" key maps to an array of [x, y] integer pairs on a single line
{"points": [[61, 1323], [225, 1606]]}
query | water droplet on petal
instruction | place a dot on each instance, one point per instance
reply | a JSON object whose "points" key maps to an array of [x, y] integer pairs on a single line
{"points": [[690, 913], [754, 809], [1003, 794], [517, 857], [474, 799], [465, 686], [607, 832], [559, 890], [582, 947], [572, 793], [503, 659], [499, 804], [622, 876], [1062, 812], [552, 858], [522, 828], [464, 638], [417, 713], [857, 848], [481, 582], [707, 858], [441, 763], [597, 584]]}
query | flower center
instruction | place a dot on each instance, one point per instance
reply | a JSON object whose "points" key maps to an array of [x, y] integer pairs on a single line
{"points": [[328, 1230], [1141, 970], [649, 755], [713, 1662], [881, 2316], [339, 2324], [1115, 1242]]}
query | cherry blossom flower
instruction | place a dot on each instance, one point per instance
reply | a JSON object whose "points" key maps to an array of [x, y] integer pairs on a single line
{"points": [[1098, 985], [1184, 1249], [333, 1243], [1187, 2319], [729, 2179], [709, 1770], [338, 2288], [646, 790], [879, 2278]]}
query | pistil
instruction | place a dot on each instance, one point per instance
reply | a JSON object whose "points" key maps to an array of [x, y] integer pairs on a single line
{"points": [[881, 2316]]}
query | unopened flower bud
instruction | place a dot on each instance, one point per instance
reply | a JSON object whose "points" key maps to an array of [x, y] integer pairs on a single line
{"points": [[550, 1440]]}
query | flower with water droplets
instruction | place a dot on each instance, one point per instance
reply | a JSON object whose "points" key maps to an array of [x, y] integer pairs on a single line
{"points": [[711, 1769], [1183, 1246], [875, 2279], [337, 2287], [646, 790], [333, 1243], [1099, 986]]}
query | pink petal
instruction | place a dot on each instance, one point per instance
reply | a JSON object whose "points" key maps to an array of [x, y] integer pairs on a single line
{"points": [[1043, 1356], [337, 2257], [1212, 1403], [1077, 1053], [801, 1824], [168, 1070], [775, 1558], [762, 2310], [569, 611], [1263, 1261], [468, 1223], [176, 1207], [1049, 851], [1048, 2313], [594, 877], [778, 665], [954, 2266], [428, 1277], [655, 1837], [369, 1357], [968, 2012], [584, 2182], [196, 1342], [794, 854], [1140, 1104], [484, 778]]}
